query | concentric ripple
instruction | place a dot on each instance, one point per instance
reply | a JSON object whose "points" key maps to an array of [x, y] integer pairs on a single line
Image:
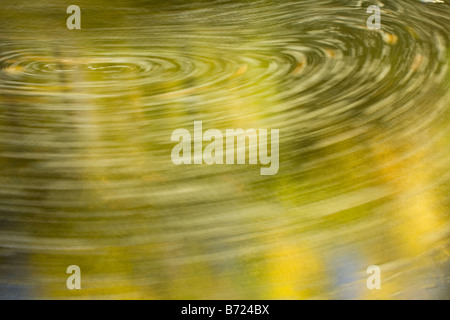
{"points": [[86, 177]]}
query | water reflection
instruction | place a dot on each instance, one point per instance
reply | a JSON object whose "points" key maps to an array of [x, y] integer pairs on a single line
{"points": [[86, 176]]}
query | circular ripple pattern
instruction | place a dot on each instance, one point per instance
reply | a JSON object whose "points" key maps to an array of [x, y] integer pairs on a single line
{"points": [[363, 114]]}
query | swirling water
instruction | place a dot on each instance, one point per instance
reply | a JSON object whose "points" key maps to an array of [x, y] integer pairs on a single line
{"points": [[86, 176]]}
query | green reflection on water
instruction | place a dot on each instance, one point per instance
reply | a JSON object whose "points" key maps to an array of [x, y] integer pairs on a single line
{"points": [[86, 176]]}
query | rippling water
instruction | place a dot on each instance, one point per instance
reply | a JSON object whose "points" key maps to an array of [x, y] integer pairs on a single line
{"points": [[86, 176]]}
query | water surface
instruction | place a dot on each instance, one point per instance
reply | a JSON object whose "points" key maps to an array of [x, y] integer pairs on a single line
{"points": [[86, 176]]}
